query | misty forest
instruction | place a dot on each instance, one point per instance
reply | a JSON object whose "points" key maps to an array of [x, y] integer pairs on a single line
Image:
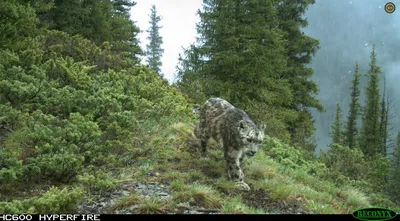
{"points": [[89, 124]]}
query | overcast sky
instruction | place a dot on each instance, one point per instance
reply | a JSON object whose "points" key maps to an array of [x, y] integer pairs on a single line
{"points": [[179, 20], [347, 29]]}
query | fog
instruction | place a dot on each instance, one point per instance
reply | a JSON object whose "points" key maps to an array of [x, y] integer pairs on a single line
{"points": [[347, 30]]}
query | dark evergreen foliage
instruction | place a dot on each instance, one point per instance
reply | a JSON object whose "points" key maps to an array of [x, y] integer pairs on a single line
{"points": [[351, 131], [154, 51], [370, 136], [337, 133], [254, 54]]}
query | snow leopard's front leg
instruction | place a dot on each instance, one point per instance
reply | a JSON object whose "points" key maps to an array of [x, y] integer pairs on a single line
{"points": [[234, 170], [204, 136]]}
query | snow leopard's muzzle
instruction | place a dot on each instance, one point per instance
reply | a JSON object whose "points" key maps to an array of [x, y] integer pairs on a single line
{"points": [[251, 153]]}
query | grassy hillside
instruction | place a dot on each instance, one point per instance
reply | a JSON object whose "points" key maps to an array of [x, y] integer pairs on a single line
{"points": [[281, 178]]}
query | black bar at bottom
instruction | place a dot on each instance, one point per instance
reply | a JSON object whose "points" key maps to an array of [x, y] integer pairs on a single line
{"points": [[113, 217]]}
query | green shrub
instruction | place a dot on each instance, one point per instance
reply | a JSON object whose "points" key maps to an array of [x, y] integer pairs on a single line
{"points": [[96, 180], [349, 162], [351, 166], [53, 201], [293, 158], [69, 110]]}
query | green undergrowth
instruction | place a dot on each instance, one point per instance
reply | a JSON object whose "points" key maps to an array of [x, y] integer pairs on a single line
{"points": [[55, 200], [69, 122], [170, 155], [286, 174]]}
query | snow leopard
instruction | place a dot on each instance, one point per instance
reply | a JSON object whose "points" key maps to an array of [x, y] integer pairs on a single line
{"points": [[234, 131]]}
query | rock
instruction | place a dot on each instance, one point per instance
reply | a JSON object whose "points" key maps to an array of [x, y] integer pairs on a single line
{"points": [[191, 212], [163, 194], [103, 203], [125, 193], [153, 174], [112, 201], [121, 211], [132, 208]]}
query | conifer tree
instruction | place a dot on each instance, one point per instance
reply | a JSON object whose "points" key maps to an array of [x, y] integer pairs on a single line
{"points": [[300, 49], [248, 56], [99, 21], [188, 77], [354, 108], [337, 134], [125, 31], [17, 21], [241, 57], [123, 6], [370, 137], [154, 51], [383, 127], [390, 142]]}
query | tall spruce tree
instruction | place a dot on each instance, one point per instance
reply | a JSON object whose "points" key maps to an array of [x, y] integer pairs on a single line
{"points": [[100, 21], [123, 6], [383, 127], [124, 31], [389, 119], [241, 57], [370, 137], [154, 51], [351, 131], [337, 133], [241, 49], [245, 51], [188, 77], [300, 49]]}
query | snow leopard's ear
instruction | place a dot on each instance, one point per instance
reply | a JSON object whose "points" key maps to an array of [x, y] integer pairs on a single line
{"points": [[262, 127]]}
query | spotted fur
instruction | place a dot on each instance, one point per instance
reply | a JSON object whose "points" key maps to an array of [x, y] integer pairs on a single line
{"points": [[234, 131]]}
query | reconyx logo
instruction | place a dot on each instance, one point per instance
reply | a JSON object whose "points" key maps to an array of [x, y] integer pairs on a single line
{"points": [[374, 213]]}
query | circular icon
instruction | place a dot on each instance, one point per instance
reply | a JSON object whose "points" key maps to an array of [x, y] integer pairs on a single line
{"points": [[390, 7]]}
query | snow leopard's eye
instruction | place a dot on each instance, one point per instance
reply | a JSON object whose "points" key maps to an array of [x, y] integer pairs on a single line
{"points": [[248, 140]]}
